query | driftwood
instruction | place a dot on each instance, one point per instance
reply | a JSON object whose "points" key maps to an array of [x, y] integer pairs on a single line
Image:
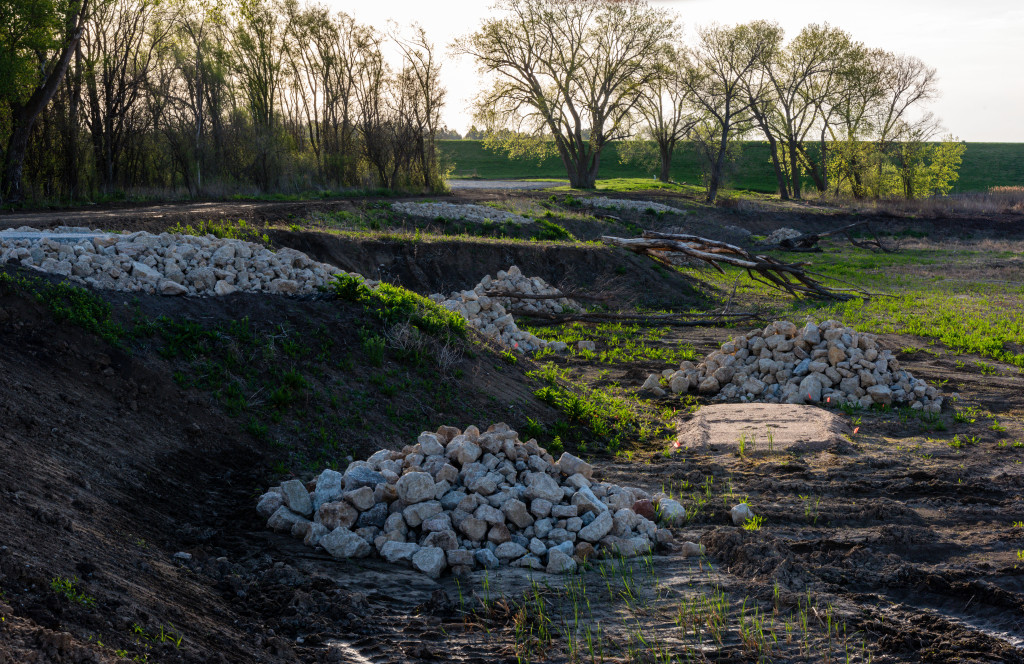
{"points": [[788, 277], [809, 241]]}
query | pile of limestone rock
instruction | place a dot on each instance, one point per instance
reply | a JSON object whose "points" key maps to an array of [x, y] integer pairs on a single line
{"points": [[786, 364], [168, 264], [629, 204], [460, 212], [468, 499], [490, 315]]}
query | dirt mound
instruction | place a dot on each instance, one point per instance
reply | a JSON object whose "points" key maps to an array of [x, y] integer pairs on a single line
{"points": [[764, 427], [117, 458], [446, 266]]}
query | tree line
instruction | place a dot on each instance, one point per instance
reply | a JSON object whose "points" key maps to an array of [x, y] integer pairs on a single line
{"points": [[570, 76], [214, 97], [102, 96]]}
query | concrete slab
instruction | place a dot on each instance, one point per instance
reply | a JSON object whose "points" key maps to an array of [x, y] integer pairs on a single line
{"points": [[793, 428]]}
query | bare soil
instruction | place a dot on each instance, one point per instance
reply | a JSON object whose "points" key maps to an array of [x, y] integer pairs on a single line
{"points": [[109, 467]]}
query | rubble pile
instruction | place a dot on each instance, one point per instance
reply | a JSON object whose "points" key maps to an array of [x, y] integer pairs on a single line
{"points": [[490, 314], [460, 212], [786, 364], [464, 500], [168, 264]]}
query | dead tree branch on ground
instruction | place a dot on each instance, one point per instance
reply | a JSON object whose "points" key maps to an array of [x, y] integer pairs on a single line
{"points": [[789, 277]]}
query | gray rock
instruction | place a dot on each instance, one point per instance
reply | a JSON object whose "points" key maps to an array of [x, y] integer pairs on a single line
{"points": [[283, 520], [430, 560], [296, 498], [515, 512], [359, 476], [600, 527], [343, 543], [429, 444], [399, 552], [461, 557], [672, 512], [328, 488], [361, 498], [540, 508], [415, 514], [571, 465], [486, 559], [741, 514], [415, 487], [442, 539], [473, 528], [376, 516], [510, 551], [565, 511], [560, 563], [269, 503], [585, 501], [543, 486], [880, 394]]}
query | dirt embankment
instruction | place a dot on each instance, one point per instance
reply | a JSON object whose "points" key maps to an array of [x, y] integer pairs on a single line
{"points": [[446, 266]]}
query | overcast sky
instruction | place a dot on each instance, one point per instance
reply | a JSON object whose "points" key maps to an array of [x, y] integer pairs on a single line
{"points": [[977, 47]]}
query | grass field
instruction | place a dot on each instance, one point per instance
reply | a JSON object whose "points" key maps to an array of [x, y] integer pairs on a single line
{"points": [[984, 165]]}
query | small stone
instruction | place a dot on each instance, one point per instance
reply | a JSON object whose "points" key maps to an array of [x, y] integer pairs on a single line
{"points": [[359, 476], [429, 444], [691, 549], [473, 528], [741, 514], [515, 511], [542, 485], [672, 512]]}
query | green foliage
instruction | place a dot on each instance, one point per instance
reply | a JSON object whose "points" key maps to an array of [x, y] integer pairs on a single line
{"points": [[68, 589], [76, 305], [984, 165], [551, 231], [225, 230], [394, 304]]}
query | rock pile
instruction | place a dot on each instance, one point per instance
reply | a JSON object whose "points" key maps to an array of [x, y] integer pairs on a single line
{"points": [[165, 263], [467, 212], [786, 364], [780, 234], [470, 499], [490, 315], [627, 204]]}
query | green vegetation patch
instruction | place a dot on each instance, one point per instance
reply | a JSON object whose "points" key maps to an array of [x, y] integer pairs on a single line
{"points": [[394, 304]]}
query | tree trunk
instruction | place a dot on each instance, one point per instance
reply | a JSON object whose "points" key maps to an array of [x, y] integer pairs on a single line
{"points": [[794, 169], [715, 181], [666, 160], [24, 116], [780, 177]]}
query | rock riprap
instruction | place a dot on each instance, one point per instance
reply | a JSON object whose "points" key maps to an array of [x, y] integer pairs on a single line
{"points": [[168, 264], [490, 315], [469, 499], [783, 363], [627, 204], [460, 212]]}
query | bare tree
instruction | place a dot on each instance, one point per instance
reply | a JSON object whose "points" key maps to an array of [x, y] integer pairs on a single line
{"points": [[716, 75], [665, 116], [568, 75]]}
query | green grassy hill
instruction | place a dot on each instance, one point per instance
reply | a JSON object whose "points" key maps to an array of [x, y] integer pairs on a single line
{"points": [[984, 165]]}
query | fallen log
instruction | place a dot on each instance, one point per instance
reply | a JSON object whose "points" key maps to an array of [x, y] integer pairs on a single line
{"points": [[789, 277], [809, 241]]}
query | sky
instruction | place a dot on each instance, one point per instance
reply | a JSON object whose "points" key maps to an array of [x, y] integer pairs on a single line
{"points": [[977, 47]]}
